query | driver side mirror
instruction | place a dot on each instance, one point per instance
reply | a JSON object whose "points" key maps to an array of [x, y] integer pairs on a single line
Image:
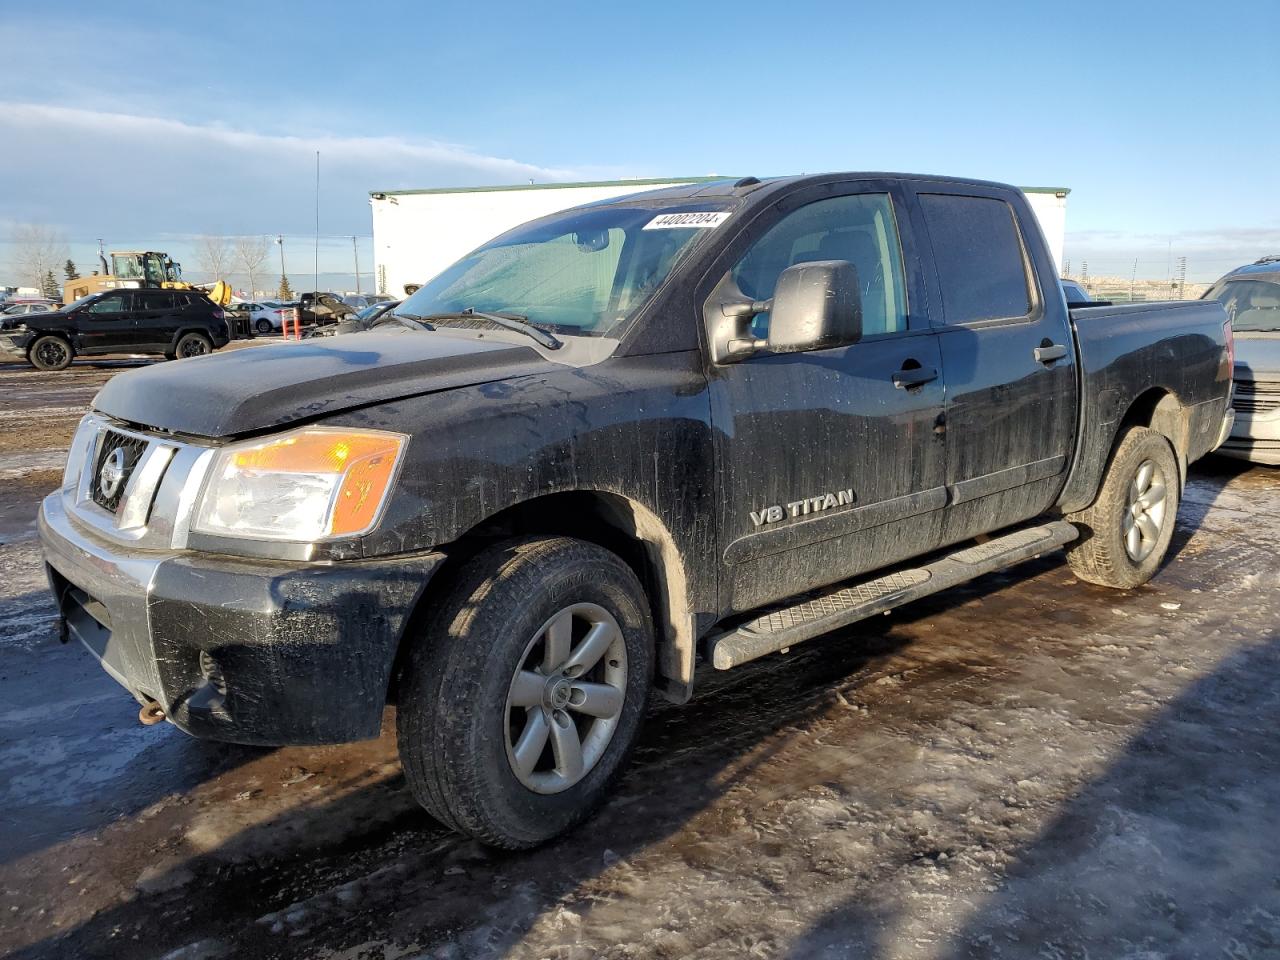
{"points": [[815, 306]]}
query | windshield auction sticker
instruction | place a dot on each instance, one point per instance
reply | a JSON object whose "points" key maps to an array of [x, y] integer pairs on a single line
{"points": [[704, 220]]}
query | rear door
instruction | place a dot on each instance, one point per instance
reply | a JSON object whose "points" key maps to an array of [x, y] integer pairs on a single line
{"points": [[106, 325], [155, 318], [828, 461], [1008, 355]]}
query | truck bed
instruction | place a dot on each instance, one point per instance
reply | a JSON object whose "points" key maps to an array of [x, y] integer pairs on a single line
{"points": [[1137, 353]]}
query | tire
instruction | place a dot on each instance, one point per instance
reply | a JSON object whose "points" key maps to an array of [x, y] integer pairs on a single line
{"points": [[50, 353], [192, 345], [1123, 545], [462, 732], [263, 326]]}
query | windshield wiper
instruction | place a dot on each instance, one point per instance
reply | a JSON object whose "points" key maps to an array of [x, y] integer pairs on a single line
{"points": [[410, 320], [507, 321]]}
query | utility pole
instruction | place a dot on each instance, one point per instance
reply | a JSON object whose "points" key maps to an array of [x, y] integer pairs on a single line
{"points": [[280, 244], [355, 252], [1133, 278], [317, 286]]}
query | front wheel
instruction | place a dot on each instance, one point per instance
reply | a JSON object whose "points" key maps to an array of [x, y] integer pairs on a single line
{"points": [[50, 353], [519, 704], [264, 326], [193, 345], [1127, 529]]}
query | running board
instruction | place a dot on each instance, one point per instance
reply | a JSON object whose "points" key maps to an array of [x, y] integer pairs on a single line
{"points": [[786, 626]]}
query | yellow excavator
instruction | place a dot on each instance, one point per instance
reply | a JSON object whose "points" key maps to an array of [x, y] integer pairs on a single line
{"points": [[141, 268]]}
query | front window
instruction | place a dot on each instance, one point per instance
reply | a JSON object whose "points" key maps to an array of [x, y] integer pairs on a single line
{"points": [[585, 271], [860, 229], [111, 303], [154, 270], [1252, 305]]}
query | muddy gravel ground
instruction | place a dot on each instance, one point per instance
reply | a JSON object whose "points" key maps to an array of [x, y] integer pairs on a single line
{"points": [[1026, 767]]}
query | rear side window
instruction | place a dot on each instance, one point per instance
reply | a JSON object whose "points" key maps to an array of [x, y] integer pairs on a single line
{"points": [[979, 258]]}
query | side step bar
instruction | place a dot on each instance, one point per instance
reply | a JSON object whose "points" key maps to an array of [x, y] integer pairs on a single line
{"points": [[786, 626]]}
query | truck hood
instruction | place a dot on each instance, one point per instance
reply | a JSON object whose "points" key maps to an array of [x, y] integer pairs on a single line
{"points": [[257, 388], [1257, 356]]}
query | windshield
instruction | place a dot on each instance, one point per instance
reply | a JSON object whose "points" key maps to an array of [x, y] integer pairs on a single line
{"points": [[585, 271], [1252, 305]]}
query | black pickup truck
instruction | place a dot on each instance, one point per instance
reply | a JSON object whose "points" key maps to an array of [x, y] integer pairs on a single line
{"points": [[701, 424]]}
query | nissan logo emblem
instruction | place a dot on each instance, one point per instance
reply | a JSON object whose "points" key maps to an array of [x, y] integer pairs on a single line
{"points": [[112, 473]]}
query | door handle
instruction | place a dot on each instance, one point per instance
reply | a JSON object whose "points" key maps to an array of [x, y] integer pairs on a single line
{"points": [[915, 377], [1050, 352]]}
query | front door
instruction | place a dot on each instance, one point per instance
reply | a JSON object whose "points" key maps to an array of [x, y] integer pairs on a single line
{"points": [[1009, 358], [829, 461], [106, 325]]}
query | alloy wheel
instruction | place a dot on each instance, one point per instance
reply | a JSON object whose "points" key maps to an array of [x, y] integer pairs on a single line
{"points": [[1144, 515], [566, 698]]}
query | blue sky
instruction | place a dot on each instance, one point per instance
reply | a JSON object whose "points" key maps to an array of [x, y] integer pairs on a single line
{"points": [[187, 118]]}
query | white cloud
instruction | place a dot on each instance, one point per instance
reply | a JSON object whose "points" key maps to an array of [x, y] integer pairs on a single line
{"points": [[93, 172]]}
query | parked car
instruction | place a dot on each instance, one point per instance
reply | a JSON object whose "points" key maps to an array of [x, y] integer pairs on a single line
{"points": [[1251, 297], [319, 308], [716, 420], [263, 317], [175, 323], [23, 307], [1074, 292]]}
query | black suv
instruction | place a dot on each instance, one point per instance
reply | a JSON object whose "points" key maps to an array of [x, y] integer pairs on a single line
{"points": [[176, 323]]}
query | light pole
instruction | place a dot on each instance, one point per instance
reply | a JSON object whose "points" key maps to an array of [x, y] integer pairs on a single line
{"points": [[280, 244], [355, 252]]}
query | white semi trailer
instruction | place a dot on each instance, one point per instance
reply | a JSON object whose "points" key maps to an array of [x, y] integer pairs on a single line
{"points": [[417, 233]]}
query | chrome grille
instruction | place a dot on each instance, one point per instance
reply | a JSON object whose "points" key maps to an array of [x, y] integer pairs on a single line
{"points": [[1253, 397], [132, 449]]}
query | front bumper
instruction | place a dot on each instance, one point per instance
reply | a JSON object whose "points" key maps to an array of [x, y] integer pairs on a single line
{"points": [[1255, 435], [244, 651], [14, 343]]}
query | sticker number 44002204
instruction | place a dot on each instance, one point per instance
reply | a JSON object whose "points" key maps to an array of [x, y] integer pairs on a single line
{"points": [[696, 220]]}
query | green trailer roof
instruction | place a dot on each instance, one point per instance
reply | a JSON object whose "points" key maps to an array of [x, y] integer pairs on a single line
{"points": [[649, 182], [655, 181]]}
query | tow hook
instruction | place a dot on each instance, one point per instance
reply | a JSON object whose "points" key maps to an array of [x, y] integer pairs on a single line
{"points": [[151, 713]]}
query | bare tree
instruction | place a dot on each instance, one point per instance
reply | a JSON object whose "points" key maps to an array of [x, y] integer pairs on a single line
{"points": [[37, 251], [251, 252], [215, 256]]}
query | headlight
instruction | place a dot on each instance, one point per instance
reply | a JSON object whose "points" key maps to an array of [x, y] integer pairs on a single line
{"points": [[310, 484], [85, 438]]}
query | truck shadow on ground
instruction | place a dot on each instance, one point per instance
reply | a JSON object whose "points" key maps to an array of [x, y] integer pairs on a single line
{"points": [[1172, 851]]}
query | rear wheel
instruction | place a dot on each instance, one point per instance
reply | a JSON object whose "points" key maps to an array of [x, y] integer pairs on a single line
{"points": [[519, 705], [50, 353], [193, 345], [1127, 529], [263, 325]]}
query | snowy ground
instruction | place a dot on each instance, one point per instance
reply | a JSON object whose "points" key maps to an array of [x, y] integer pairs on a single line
{"points": [[1028, 767]]}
